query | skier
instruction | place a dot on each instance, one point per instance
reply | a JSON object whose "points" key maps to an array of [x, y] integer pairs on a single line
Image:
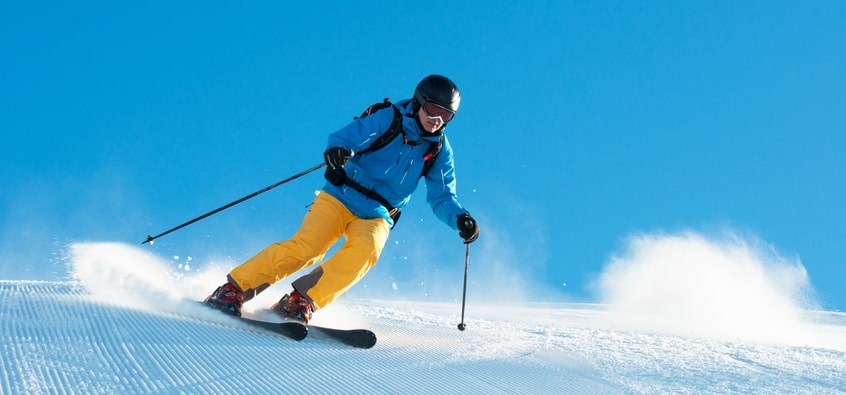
{"points": [[361, 199]]}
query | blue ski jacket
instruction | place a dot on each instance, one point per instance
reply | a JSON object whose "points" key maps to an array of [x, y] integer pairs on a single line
{"points": [[394, 170]]}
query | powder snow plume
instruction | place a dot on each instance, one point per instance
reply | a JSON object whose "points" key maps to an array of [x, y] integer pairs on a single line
{"points": [[120, 274], [732, 288], [126, 275]]}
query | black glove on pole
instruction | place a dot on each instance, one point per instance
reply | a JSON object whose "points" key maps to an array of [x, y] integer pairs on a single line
{"points": [[336, 158], [468, 229]]}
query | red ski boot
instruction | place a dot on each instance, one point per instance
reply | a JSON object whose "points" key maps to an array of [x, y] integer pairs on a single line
{"points": [[295, 307], [227, 298]]}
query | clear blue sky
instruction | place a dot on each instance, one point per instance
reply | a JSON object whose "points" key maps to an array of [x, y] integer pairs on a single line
{"points": [[581, 123]]}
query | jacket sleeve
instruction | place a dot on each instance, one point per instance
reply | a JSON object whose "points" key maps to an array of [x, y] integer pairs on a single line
{"points": [[360, 133], [441, 190]]}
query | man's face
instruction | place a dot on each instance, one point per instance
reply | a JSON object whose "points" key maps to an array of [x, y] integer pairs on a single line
{"points": [[430, 124]]}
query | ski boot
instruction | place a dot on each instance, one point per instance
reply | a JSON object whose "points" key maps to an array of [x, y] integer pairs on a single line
{"points": [[295, 307], [227, 298]]}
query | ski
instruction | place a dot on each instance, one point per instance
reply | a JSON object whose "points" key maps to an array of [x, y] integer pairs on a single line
{"points": [[358, 338], [291, 330]]}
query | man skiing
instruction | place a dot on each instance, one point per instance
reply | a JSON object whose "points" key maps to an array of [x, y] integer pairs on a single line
{"points": [[366, 187]]}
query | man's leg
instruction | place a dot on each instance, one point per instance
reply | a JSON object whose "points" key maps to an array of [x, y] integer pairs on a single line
{"points": [[322, 226], [365, 240]]}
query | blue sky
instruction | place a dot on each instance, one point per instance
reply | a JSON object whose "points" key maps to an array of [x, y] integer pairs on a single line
{"points": [[581, 124]]}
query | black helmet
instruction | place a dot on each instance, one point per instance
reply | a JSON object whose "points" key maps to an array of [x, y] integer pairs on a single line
{"points": [[439, 90]]}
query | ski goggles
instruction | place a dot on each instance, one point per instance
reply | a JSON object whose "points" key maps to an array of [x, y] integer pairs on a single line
{"points": [[435, 111]]}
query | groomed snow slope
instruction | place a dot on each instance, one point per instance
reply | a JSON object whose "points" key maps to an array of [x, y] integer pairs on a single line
{"points": [[126, 324], [56, 338]]}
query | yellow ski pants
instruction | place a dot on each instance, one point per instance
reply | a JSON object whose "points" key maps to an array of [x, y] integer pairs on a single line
{"points": [[324, 224]]}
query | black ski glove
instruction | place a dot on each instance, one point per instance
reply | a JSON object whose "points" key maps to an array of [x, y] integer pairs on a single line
{"points": [[336, 157], [468, 229], [335, 176]]}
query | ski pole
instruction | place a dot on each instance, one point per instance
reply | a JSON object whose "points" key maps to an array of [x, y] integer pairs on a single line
{"points": [[219, 209], [462, 326]]}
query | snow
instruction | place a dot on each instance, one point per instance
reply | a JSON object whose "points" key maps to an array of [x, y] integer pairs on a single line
{"points": [[126, 323]]}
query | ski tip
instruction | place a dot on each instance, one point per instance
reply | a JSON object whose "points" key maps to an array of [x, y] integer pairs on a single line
{"points": [[358, 338]]}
